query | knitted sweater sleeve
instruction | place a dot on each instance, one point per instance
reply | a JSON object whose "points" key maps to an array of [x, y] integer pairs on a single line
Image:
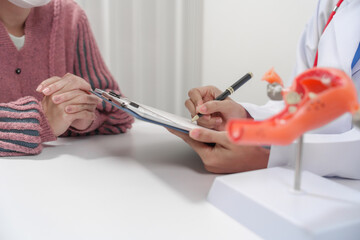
{"points": [[23, 127], [90, 66]]}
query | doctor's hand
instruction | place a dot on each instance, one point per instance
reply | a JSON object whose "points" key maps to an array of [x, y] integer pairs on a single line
{"points": [[224, 156], [71, 95], [215, 113]]}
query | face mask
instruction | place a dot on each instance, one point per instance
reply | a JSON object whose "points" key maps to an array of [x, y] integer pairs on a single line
{"points": [[29, 3]]}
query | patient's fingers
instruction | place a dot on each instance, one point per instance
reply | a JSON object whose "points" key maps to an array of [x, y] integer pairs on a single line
{"points": [[81, 96], [75, 108], [67, 83], [46, 83]]}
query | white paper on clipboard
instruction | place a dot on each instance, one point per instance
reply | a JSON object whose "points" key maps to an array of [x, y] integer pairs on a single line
{"points": [[147, 113]]}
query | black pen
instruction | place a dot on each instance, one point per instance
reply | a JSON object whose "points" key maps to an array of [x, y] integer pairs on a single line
{"points": [[229, 91]]}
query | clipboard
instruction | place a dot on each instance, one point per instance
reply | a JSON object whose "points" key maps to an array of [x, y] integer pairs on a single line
{"points": [[147, 113]]}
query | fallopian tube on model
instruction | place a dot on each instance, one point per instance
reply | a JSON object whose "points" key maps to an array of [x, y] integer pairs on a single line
{"points": [[317, 96]]}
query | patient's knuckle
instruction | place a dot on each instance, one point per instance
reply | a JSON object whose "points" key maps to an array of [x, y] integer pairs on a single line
{"points": [[92, 116], [56, 78], [88, 98], [84, 98], [68, 117], [83, 83]]}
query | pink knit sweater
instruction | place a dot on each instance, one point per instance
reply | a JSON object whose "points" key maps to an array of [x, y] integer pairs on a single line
{"points": [[58, 40]]}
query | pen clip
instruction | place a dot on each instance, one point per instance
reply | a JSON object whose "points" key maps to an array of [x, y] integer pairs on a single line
{"points": [[112, 96], [132, 106]]}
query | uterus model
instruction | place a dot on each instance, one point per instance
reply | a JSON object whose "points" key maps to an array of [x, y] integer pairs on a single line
{"points": [[322, 209], [316, 97]]}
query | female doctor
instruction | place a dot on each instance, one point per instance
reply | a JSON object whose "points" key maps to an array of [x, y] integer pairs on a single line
{"points": [[334, 149]]}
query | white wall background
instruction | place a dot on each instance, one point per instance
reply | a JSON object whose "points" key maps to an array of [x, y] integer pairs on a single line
{"points": [[152, 47], [247, 35], [159, 49]]}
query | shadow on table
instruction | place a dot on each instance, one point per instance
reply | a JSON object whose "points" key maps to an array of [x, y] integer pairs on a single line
{"points": [[162, 154], [90, 148], [174, 162]]}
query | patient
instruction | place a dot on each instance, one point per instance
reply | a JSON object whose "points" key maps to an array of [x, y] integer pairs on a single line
{"points": [[49, 62]]}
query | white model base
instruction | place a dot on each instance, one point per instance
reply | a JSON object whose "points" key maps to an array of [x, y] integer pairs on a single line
{"points": [[264, 202]]}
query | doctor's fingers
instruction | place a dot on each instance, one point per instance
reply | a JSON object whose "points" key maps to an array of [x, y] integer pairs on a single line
{"points": [[67, 83], [203, 94], [214, 107], [205, 91], [210, 136], [227, 109], [200, 148], [211, 122], [211, 155], [78, 95], [195, 100], [191, 107]]}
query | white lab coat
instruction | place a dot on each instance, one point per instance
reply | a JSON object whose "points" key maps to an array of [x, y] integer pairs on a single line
{"points": [[333, 150]]}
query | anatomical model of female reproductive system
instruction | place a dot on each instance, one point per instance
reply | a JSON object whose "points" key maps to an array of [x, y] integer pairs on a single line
{"points": [[316, 97]]}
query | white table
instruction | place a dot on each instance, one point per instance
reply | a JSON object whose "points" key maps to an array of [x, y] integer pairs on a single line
{"points": [[145, 184]]}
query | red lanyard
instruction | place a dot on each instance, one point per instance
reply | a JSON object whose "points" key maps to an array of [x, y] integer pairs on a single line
{"points": [[329, 20]]}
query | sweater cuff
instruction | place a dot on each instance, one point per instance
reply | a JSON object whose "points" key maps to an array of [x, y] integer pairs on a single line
{"points": [[46, 132]]}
